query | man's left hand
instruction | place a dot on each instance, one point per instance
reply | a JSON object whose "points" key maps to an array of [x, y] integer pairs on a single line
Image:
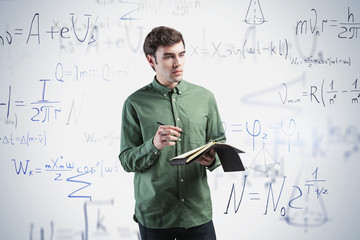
{"points": [[208, 158]]}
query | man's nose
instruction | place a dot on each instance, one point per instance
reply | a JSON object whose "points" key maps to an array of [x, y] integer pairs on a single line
{"points": [[177, 62]]}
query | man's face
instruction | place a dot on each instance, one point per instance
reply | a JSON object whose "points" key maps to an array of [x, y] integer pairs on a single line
{"points": [[169, 64]]}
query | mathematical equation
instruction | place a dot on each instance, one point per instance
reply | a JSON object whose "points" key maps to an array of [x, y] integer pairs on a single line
{"points": [[287, 137], [96, 224], [44, 110], [28, 139], [59, 169], [221, 50], [312, 61], [325, 95], [278, 48], [348, 28], [305, 200], [109, 138], [256, 131], [84, 29], [81, 32], [104, 73]]}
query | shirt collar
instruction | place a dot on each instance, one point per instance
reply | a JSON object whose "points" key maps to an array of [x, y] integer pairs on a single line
{"points": [[163, 90]]}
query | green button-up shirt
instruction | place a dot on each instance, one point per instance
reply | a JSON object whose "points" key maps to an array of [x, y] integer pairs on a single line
{"points": [[169, 196]]}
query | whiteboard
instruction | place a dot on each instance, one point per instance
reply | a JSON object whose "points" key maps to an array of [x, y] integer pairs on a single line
{"points": [[286, 78]]}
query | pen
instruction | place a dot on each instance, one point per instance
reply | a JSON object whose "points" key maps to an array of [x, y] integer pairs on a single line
{"points": [[165, 124]]}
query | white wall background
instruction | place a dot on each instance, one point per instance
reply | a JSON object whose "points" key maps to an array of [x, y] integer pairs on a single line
{"points": [[286, 78]]}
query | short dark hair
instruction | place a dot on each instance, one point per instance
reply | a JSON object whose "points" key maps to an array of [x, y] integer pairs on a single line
{"points": [[161, 36]]}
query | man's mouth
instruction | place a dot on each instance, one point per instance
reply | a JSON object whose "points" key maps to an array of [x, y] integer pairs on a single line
{"points": [[177, 72]]}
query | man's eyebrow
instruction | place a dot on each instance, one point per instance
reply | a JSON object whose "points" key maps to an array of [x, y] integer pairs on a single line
{"points": [[171, 54]]}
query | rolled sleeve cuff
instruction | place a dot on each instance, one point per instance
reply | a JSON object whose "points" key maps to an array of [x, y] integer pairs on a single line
{"points": [[154, 153]]}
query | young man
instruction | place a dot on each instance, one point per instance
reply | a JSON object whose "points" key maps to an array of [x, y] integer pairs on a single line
{"points": [[162, 120]]}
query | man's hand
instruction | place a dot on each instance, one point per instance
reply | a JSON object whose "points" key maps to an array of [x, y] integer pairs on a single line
{"points": [[208, 158], [166, 135]]}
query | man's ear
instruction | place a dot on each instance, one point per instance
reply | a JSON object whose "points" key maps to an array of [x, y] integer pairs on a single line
{"points": [[151, 60]]}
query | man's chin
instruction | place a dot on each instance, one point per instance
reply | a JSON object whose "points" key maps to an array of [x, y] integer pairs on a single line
{"points": [[178, 79]]}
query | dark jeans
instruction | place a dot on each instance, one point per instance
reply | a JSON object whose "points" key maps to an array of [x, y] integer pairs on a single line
{"points": [[202, 232]]}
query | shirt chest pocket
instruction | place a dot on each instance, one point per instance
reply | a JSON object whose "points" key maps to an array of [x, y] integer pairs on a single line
{"points": [[197, 131]]}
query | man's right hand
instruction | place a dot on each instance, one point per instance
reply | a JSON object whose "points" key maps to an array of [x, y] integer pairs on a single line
{"points": [[166, 135]]}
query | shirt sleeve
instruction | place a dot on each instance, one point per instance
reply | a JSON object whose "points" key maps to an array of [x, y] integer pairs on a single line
{"points": [[215, 129], [135, 153]]}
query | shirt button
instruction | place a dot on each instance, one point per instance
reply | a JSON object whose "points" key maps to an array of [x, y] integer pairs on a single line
{"points": [[165, 94], [182, 180], [174, 99], [183, 200], [178, 119]]}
